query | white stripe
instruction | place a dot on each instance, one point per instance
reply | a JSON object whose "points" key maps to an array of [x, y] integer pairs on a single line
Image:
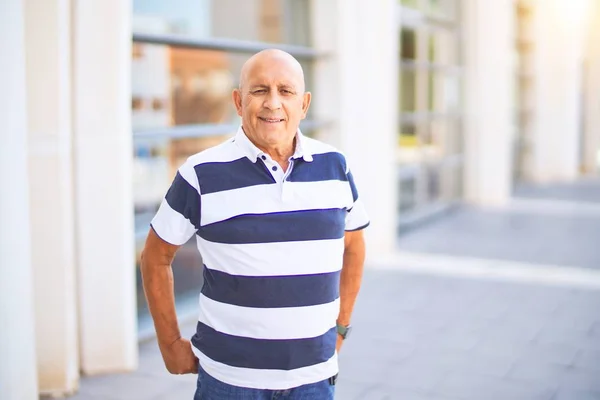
{"points": [[223, 152], [262, 199], [188, 173], [272, 379], [357, 217], [317, 147], [269, 323], [172, 226], [270, 259]]}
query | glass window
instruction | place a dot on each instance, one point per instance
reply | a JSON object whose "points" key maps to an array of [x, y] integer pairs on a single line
{"points": [[408, 193], [433, 183], [408, 44], [408, 91], [180, 86], [274, 21], [410, 3], [408, 136], [177, 89], [446, 9], [430, 95], [443, 47]]}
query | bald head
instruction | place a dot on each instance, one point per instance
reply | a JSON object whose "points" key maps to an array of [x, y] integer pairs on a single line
{"points": [[265, 59]]}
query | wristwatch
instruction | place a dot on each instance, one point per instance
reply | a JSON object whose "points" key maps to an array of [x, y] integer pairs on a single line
{"points": [[344, 330]]}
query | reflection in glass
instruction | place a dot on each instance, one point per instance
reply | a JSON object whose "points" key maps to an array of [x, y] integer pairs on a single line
{"points": [[408, 136], [407, 193], [408, 90], [433, 183], [446, 9], [408, 44], [273, 21]]}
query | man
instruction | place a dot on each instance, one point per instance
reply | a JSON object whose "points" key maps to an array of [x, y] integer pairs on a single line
{"points": [[278, 223]]}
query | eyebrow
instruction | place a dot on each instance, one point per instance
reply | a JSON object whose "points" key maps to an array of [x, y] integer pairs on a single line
{"points": [[281, 86]]}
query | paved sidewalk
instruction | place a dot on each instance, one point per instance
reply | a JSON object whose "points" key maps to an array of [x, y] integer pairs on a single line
{"points": [[427, 337]]}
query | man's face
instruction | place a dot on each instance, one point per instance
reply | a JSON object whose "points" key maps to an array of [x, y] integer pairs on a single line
{"points": [[272, 102]]}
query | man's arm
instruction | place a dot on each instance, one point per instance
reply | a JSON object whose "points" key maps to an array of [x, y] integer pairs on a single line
{"points": [[351, 276], [157, 278]]}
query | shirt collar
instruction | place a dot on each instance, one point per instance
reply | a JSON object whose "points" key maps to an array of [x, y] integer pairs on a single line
{"points": [[253, 152]]}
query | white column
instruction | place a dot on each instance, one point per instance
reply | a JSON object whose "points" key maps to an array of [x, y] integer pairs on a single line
{"points": [[18, 373], [488, 82], [103, 185], [558, 57], [356, 88], [48, 49], [592, 93]]}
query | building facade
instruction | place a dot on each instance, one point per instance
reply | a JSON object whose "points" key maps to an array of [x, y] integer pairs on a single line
{"points": [[435, 102]]}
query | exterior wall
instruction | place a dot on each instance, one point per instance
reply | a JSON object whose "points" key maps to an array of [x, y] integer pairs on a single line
{"points": [[591, 89], [48, 54], [364, 43], [103, 186], [557, 67], [18, 377], [489, 73]]}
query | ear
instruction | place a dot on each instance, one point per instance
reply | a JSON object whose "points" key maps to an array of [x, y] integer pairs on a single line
{"points": [[237, 100], [306, 103]]}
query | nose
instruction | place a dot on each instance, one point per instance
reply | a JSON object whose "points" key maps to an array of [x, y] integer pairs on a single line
{"points": [[272, 101]]}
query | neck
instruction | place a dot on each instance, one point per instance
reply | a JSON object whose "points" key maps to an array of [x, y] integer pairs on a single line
{"points": [[280, 153]]}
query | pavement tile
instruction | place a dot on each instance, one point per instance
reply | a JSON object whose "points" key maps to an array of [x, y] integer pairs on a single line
{"points": [[558, 354], [535, 372], [570, 337], [569, 394], [476, 387], [125, 387], [346, 389], [177, 393], [588, 360]]}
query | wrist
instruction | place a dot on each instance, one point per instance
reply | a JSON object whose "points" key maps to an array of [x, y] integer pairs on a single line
{"points": [[343, 330]]}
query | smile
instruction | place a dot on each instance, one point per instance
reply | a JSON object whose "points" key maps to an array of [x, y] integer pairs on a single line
{"points": [[271, 120]]}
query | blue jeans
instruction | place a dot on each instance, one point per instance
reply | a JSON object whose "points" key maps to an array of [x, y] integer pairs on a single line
{"points": [[211, 389]]}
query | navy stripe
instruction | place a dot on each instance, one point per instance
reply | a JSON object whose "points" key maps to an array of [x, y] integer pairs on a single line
{"points": [[245, 352], [271, 291], [218, 176], [352, 187], [184, 198], [324, 167], [277, 227]]}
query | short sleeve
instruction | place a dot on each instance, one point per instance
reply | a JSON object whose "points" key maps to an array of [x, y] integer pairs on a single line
{"points": [[178, 217], [357, 217]]}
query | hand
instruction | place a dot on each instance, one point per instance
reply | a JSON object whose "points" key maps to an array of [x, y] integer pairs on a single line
{"points": [[179, 357], [339, 343]]}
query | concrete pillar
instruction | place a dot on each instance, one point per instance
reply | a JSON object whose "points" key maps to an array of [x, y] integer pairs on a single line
{"points": [[103, 185], [18, 376], [488, 83], [591, 151], [558, 64], [48, 47], [356, 88]]}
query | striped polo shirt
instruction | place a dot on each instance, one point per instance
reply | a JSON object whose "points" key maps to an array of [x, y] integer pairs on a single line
{"points": [[272, 243]]}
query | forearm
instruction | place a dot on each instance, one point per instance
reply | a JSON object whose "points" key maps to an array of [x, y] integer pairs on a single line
{"points": [[157, 278], [350, 280]]}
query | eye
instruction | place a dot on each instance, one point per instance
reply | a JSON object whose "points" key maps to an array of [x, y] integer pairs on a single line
{"points": [[259, 91], [287, 91]]}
